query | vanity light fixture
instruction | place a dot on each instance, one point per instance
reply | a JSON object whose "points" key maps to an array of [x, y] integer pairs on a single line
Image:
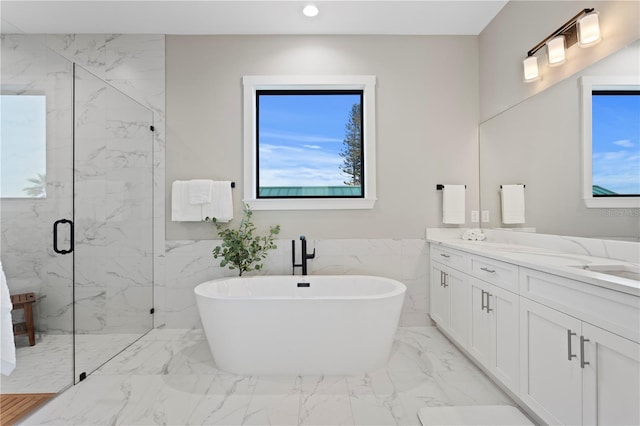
{"points": [[310, 11], [584, 29]]}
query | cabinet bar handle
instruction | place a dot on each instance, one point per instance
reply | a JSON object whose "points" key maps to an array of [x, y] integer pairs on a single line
{"points": [[483, 306], [582, 361], [444, 283], [488, 298], [488, 270], [569, 334], [441, 278], [445, 255]]}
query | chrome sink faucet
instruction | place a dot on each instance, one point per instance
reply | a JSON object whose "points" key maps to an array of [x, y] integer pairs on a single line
{"points": [[305, 256]]}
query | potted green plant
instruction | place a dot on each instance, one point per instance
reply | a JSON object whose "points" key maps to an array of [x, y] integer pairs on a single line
{"points": [[240, 248]]}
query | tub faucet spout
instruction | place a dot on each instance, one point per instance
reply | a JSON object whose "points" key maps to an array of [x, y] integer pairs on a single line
{"points": [[305, 256]]}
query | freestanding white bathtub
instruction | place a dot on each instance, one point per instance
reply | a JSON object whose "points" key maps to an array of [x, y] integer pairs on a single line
{"points": [[300, 325]]}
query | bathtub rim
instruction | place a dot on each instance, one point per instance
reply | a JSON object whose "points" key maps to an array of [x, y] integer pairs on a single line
{"points": [[399, 289]]}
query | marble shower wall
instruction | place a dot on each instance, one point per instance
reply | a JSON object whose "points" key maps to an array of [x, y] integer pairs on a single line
{"points": [[113, 209], [134, 64], [188, 263], [28, 259]]}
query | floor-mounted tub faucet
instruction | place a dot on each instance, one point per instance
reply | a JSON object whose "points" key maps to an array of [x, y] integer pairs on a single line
{"points": [[305, 256]]}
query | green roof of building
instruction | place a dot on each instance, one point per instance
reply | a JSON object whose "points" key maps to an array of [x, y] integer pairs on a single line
{"points": [[310, 191], [598, 190]]}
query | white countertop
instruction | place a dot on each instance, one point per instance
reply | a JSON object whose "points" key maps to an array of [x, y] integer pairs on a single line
{"points": [[568, 265]]}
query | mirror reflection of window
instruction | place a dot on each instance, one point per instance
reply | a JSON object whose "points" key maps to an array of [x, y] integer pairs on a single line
{"points": [[615, 139], [23, 146], [310, 143]]}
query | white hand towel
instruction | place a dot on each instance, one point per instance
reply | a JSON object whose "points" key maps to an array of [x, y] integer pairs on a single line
{"points": [[221, 205], [512, 204], [453, 207], [181, 209], [200, 191], [7, 344]]}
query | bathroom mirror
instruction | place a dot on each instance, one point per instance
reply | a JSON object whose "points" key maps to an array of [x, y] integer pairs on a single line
{"points": [[538, 143]]}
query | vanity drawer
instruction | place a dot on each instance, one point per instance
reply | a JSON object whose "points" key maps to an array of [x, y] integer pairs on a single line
{"points": [[499, 273], [608, 309], [455, 259]]}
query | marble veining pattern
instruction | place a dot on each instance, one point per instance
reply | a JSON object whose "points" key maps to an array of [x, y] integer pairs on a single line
{"points": [[169, 377], [188, 263]]}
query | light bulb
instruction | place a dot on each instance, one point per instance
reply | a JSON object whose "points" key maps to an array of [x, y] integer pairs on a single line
{"points": [[555, 51], [310, 10], [530, 69], [589, 30]]}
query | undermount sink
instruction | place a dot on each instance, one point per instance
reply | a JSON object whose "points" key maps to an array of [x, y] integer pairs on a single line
{"points": [[623, 271]]}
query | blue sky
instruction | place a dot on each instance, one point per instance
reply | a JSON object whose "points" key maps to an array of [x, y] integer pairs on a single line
{"points": [[23, 142], [301, 137], [616, 143]]}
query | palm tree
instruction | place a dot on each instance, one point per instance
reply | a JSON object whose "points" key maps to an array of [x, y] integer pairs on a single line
{"points": [[38, 190]]}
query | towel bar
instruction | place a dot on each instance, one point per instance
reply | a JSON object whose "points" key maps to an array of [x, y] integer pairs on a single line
{"points": [[440, 187], [524, 186]]}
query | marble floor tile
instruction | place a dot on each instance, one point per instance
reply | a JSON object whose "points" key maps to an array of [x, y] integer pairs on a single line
{"points": [[169, 377]]}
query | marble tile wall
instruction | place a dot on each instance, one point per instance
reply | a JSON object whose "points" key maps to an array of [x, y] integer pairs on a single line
{"points": [[134, 64], [28, 259], [188, 263]]}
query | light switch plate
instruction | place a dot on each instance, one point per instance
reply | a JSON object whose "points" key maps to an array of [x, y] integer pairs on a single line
{"points": [[475, 216], [485, 216]]}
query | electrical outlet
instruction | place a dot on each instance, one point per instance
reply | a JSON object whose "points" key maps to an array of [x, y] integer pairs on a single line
{"points": [[475, 216], [485, 216]]}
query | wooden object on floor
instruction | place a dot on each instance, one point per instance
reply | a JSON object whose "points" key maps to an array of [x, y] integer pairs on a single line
{"points": [[14, 407], [25, 302]]}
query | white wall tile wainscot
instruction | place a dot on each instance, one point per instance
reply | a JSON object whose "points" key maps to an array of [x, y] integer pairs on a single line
{"points": [[188, 263]]}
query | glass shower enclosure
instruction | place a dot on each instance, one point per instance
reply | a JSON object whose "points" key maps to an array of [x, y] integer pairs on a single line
{"points": [[76, 206]]}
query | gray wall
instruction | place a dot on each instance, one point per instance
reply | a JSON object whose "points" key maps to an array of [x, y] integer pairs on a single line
{"points": [[520, 25], [427, 121]]}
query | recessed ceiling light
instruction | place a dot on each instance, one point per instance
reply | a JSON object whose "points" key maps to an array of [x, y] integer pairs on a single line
{"points": [[310, 10]]}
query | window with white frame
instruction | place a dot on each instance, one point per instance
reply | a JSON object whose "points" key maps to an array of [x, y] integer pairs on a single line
{"points": [[309, 142], [611, 141]]}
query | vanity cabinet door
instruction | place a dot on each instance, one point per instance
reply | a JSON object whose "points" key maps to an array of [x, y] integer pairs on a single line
{"points": [[450, 301], [439, 305], [611, 378], [480, 334], [505, 354], [459, 309], [550, 373], [493, 331]]}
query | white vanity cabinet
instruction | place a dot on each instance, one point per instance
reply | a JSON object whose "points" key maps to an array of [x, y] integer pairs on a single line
{"points": [[479, 314], [550, 376], [569, 350], [493, 331], [611, 379], [575, 372], [493, 325], [449, 298]]}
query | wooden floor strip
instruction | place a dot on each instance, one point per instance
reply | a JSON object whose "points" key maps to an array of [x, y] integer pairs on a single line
{"points": [[14, 407]]}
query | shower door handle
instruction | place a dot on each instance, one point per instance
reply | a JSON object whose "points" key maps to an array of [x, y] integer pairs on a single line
{"points": [[55, 236]]}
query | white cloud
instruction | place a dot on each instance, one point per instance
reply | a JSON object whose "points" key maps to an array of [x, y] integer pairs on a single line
{"points": [[625, 143], [618, 171], [298, 166], [312, 146], [297, 137]]}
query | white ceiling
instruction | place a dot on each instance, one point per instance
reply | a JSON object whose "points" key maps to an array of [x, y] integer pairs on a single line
{"points": [[398, 17]]}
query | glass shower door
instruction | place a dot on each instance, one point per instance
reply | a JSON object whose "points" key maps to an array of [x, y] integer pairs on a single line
{"points": [[113, 187]]}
